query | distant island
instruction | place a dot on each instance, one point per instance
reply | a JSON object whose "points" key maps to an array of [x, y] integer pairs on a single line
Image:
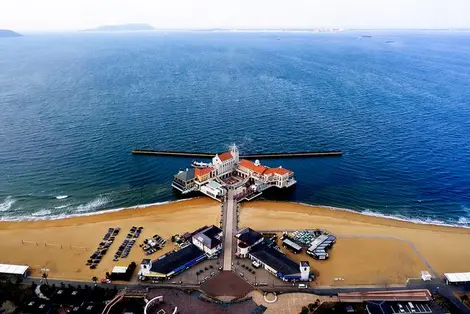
{"points": [[8, 33], [122, 28]]}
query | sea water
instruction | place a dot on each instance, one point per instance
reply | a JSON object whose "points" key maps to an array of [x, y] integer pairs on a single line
{"points": [[73, 106]]}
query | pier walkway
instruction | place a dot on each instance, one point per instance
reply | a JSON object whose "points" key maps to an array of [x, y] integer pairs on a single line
{"points": [[331, 153], [230, 227]]}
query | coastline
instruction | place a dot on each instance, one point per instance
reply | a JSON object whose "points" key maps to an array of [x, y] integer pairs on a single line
{"points": [[385, 250], [91, 213], [368, 213]]}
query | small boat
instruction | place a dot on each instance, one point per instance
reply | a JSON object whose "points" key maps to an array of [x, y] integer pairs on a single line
{"points": [[200, 164]]}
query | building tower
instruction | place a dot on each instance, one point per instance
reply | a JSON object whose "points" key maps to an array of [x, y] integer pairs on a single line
{"points": [[304, 271], [235, 153]]}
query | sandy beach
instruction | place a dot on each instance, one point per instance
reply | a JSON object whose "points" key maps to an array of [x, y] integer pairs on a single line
{"points": [[369, 250]]}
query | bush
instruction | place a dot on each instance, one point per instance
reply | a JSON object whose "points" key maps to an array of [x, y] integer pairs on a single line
{"points": [[311, 307], [304, 310]]}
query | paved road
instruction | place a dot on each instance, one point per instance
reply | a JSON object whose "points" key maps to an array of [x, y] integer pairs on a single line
{"points": [[229, 229], [434, 286]]}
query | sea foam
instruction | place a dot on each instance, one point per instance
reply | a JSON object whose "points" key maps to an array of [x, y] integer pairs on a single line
{"points": [[42, 212], [461, 223], [95, 204], [7, 204], [85, 214]]}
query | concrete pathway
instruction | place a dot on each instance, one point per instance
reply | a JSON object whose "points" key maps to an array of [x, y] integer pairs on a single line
{"points": [[230, 219]]}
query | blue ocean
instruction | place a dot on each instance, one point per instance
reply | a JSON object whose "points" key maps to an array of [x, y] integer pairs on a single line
{"points": [[73, 106]]}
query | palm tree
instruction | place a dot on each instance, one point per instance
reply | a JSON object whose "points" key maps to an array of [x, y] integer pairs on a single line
{"points": [[94, 279]]}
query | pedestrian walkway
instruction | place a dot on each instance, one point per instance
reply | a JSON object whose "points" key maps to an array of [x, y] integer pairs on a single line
{"points": [[229, 229]]}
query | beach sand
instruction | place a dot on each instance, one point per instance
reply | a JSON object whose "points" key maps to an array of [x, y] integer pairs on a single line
{"points": [[381, 251], [87, 231], [369, 250]]}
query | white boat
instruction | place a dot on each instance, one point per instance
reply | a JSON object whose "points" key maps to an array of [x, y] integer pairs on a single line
{"points": [[200, 164]]}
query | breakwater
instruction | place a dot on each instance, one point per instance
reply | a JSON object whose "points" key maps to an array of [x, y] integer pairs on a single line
{"points": [[248, 156]]}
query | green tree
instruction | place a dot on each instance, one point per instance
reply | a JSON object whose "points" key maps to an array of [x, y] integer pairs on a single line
{"points": [[304, 310]]}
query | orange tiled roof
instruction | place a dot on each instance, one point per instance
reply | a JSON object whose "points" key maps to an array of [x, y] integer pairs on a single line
{"points": [[251, 165], [225, 156], [280, 171], [202, 171]]}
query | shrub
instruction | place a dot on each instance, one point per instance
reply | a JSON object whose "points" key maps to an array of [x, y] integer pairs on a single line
{"points": [[311, 307], [304, 310]]}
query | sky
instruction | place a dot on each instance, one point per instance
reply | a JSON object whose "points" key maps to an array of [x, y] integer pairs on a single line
{"points": [[51, 15]]}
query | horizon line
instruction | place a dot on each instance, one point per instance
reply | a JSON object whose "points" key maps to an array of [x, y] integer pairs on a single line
{"points": [[273, 29]]}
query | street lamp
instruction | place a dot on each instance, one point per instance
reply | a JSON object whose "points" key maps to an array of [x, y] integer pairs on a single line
{"points": [[45, 275]]}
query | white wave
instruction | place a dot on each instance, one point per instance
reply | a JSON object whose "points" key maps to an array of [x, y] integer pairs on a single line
{"points": [[101, 212], [7, 204], [464, 221], [61, 206], [97, 203], [422, 221], [42, 212], [61, 197]]}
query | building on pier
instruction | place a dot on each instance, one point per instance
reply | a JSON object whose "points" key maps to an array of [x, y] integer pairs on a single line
{"points": [[226, 171]]}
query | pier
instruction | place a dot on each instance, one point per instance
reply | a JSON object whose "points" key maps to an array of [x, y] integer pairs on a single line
{"points": [[330, 153]]}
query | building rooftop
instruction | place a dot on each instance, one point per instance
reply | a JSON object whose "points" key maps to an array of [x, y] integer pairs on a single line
{"points": [[280, 171], [319, 245], [275, 259], [119, 269], [292, 244], [248, 236], [225, 156], [457, 277], [185, 175], [13, 269], [214, 185], [251, 165], [304, 264], [168, 263], [209, 236], [202, 171]]}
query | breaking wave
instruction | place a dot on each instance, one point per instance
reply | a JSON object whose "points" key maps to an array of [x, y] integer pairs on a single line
{"points": [[61, 197], [61, 206], [7, 204], [84, 214], [42, 212], [95, 204], [462, 222]]}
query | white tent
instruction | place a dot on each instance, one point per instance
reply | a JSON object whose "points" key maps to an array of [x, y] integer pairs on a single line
{"points": [[457, 277], [13, 269]]}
